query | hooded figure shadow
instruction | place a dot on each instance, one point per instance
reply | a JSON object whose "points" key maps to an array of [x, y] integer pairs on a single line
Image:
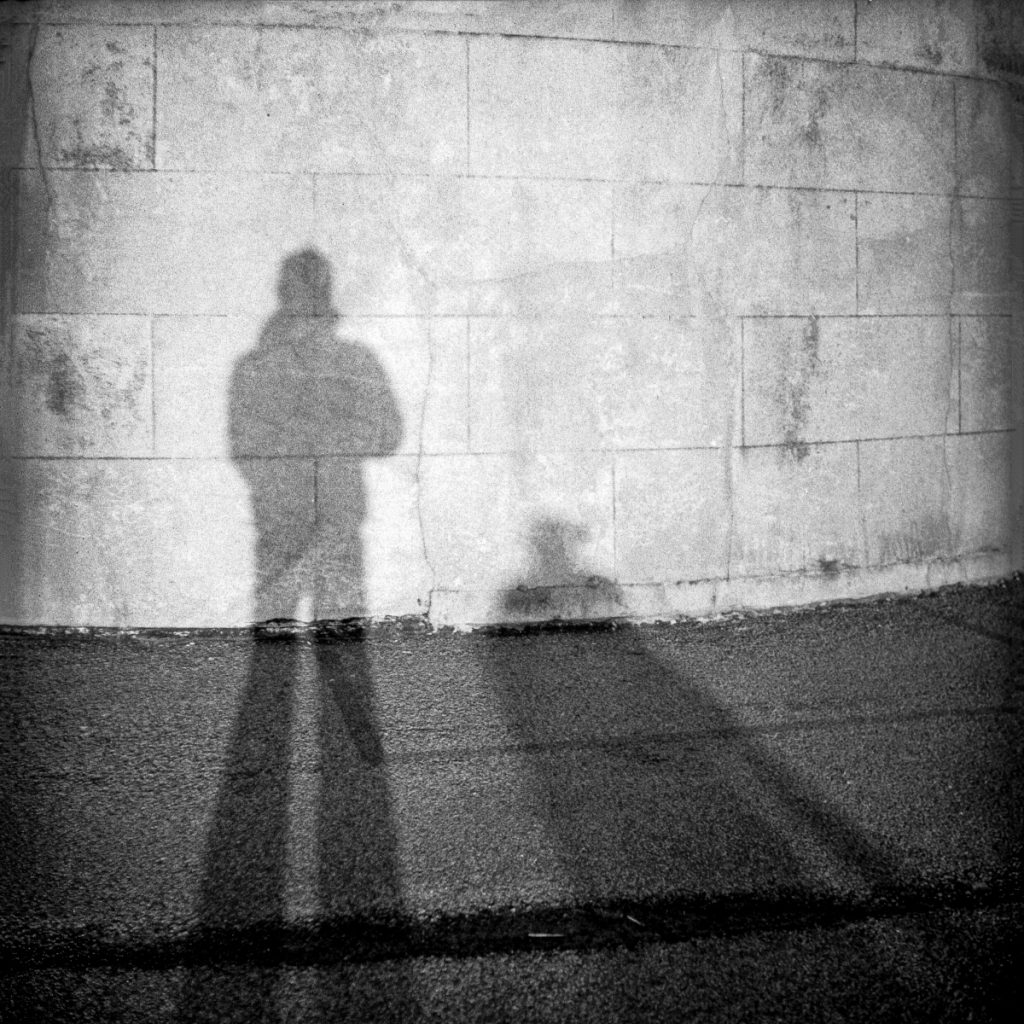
{"points": [[306, 408]]}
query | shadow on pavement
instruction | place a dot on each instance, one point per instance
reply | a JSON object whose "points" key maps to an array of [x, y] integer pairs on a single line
{"points": [[306, 408], [611, 735]]}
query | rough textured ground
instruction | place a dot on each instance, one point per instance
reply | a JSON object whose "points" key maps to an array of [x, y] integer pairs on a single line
{"points": [[814, 815]]}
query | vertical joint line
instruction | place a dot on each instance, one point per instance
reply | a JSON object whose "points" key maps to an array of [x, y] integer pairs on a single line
{"points": [[152, 383], [959, 375], [856, 55], [856, 253], [743, 117], [468, 156], [743, 383], [861, 511], [469, 373], [153, 156], [316, 499], [615, 529]]}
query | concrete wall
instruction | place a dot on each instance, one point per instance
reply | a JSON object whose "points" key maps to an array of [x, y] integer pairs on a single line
{"points": [[496, 311]]}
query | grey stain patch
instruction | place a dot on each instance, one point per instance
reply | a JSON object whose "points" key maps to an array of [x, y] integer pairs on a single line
{"points": [[777, 73], [930, 53], [802, 365], [928, 537], [64, 387]]}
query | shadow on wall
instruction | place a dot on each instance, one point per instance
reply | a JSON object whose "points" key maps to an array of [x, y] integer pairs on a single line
{"points": [[16, 45], [306, 407], [556, 584], [619, 732]]}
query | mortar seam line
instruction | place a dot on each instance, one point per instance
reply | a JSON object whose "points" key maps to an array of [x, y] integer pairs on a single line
{"points": [[152, 383], [959, 375], [155, 86], [743, 383], [652, 317], [861, 511], [469, 162], [856, 41], [496, 453], [856, 253], [236, 173], [743, 117], [464, 33], [469, 373], [615, 518]]}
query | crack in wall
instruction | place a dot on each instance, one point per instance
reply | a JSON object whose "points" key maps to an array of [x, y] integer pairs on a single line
{"points": [[34, 115]]}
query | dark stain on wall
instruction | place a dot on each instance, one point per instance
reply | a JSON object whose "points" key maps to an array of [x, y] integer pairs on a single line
{"points": [[776, 72], [800, 368], [929, 536], [65, 387], [818, 107]]}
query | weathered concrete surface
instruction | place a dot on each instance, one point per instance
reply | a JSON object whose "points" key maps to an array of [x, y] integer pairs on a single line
{"points": [[646, 309], [848, 378], [905, 254], [829, 799], [935, 35], [822, 125]]}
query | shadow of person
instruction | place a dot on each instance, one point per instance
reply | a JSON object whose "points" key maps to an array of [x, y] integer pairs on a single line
{"points": [[555, 574], [648, 786], [307, 408]]}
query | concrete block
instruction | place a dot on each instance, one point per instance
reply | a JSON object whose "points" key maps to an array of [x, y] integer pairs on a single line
{"points": [[989, 139], [193, 361], [690, 251], [600, 383], [398, 246], [368, 556], [130, 543], [982, 468], [821, 125], [904, 257], [820, 29], [92, 95], [983, 257], [397, 572], [671, 515], [843, 378], [534, 248], [78, 385], [600, 110], [937, 35], [206, 366], [927, 497], [273, 99], [796, 510], [525, 520], [431, 246], [987, 345], [907, 500], [156, 243]]}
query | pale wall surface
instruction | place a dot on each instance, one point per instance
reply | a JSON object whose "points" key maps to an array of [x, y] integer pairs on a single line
{"points": [[645, 309]]}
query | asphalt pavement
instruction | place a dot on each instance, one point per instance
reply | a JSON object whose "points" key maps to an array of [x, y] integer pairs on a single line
{"points": [[803, 816]]}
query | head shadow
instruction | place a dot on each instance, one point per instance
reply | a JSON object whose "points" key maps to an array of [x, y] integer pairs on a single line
{"points": [[556, 583]]}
